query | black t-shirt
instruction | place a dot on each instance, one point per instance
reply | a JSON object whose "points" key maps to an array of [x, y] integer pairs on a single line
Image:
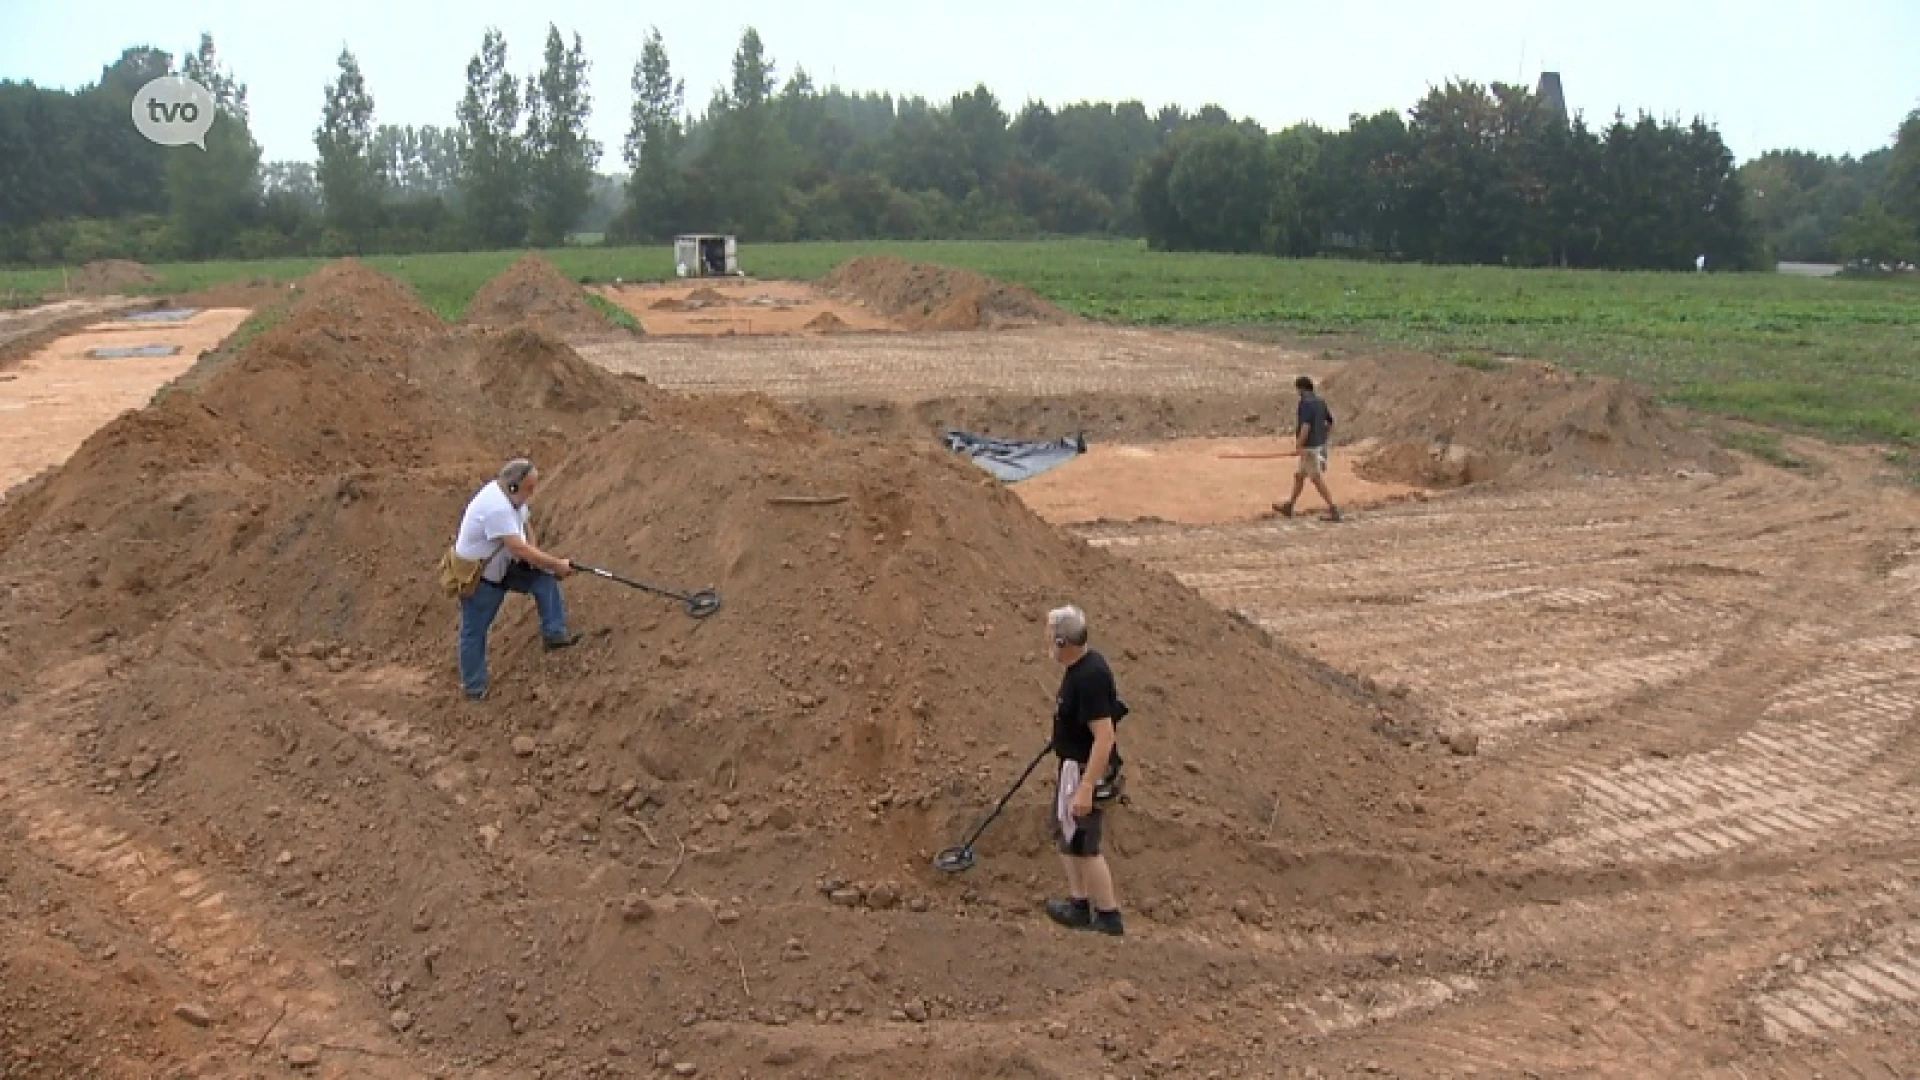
{"points": [[1087, 693], [1314, 415]]}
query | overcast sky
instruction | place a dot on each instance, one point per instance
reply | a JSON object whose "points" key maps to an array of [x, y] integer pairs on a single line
{"points": [[1833, 77]]}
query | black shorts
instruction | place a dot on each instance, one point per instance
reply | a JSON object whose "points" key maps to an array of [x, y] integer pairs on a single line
{"points": [[1086, 832], [1086, 835]]}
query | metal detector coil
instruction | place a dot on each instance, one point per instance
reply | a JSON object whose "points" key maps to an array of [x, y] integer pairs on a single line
{"points": [[955, 859]]}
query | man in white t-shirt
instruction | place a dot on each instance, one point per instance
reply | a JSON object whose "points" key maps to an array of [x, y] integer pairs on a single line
{"points": [[494, 528]]}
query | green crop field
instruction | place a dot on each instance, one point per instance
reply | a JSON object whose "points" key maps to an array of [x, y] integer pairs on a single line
{"points": [[1835, 357]]}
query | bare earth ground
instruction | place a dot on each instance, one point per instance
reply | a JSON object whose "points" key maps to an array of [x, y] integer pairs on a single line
{"points": [[1692, 696], [739, 306], [56, 397], [1700, 690], [25, 331], [1195, 482]]}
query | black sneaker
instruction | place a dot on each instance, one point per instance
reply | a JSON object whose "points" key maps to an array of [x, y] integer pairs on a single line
{"points": [[572, 638], [1108, 922], [1076, 914], [1285, 508], [1333, 513]]}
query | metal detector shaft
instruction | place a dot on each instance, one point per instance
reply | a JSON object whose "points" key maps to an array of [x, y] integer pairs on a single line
{"points": [[657, 591], [699, 605], [1017, 785]]}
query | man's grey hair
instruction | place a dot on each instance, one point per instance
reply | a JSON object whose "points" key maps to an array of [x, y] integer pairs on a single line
{"points": [[515, 471], [1069, 624]]}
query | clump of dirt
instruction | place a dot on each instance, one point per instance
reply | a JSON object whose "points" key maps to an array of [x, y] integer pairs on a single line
{"points": [[827, 322], [110, 276], [1514, 420], [922, 296], [1428, 465], [698, 299], [253, 556], [534, 292]]}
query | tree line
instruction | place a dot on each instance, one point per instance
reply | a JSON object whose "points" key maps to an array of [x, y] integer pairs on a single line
{"points": [[1477, 174]]}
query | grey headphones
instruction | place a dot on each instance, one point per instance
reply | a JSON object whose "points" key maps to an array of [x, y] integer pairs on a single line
{"points": [[514, 473]]}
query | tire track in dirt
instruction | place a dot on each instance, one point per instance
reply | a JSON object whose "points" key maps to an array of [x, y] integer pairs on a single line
{"points": [[1828, 755], [1401, 595], [1880, 987], [264, 989]]}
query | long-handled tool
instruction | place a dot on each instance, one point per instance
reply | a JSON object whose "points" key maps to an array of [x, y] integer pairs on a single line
{"points": [[699, 605], [955, 859]]}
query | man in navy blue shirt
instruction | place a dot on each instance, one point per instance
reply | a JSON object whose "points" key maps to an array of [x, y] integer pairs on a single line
{"points": [[1313, 427]]}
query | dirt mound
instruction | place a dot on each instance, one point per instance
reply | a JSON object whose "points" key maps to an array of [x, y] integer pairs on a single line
{"points": [[254, 292], [1509, 421], [827, 322], [110, 276], [921, 296], [297, 432], [736, 812], [533, 292]]}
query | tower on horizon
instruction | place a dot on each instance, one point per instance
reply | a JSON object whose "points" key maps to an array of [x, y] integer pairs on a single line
{"points": [[1549, 91]]}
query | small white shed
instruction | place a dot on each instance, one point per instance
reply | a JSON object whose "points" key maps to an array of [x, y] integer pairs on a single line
{"points": [[706, 255]]}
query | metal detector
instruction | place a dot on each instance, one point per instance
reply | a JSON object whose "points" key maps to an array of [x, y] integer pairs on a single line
{"points": [[955, 859], [699, 605]]}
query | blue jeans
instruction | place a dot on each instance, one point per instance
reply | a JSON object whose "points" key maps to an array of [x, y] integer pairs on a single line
{"points": [[477, 613]]}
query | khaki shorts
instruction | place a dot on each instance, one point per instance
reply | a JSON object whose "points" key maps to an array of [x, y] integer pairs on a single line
{"points": [[1313, 462]]}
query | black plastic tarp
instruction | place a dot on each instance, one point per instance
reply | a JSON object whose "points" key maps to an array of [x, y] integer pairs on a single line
{"points": [[1012, 460]]}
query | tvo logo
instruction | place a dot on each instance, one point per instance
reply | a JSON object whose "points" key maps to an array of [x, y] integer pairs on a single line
{"points": [[173, 110]]}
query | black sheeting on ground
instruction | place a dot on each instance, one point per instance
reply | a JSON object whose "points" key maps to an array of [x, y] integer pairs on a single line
{"points": [[1015, 459]]}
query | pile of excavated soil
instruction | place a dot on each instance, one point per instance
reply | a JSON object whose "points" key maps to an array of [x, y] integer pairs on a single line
{"points": [[110, 276], [532, 292], [698, 299], [921, 296], [676, 830], [1515, 420], [1424, 464], [827, 322]]}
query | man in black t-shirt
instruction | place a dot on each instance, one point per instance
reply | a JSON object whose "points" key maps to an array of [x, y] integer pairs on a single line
{"points": [[1312, 429], [1085, 712]]}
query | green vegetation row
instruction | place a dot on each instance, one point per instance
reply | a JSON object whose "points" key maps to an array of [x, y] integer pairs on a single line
{"points": [[1496, 175], [1840, 358]]}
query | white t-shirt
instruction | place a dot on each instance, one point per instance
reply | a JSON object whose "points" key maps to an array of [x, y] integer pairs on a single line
{"points": [[490, 518]]}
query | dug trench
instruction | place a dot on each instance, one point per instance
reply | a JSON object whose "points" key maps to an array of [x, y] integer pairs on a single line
{"points": [[226, 644]]}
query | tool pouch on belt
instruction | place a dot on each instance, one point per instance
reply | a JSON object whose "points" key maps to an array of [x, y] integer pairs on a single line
{"points": [[458, 576], [1111, 786]]}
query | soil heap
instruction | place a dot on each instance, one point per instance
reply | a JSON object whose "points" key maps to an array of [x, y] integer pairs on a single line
{"points": [[731, 815], [534, 292], [922, 296], [106, 276], [1446, 424]]}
